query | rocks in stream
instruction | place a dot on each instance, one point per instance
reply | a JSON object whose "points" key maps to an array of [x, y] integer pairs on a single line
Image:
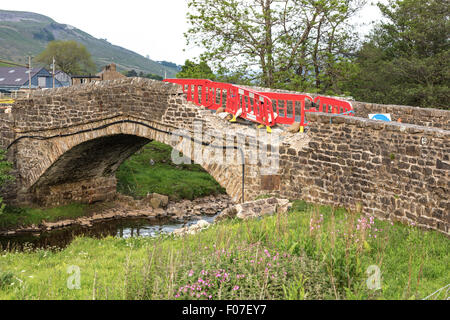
{"points": [[179, 211], [244, 211], [194, 229], [126, 207], [157, 200], [256, 209], [209, 206]]}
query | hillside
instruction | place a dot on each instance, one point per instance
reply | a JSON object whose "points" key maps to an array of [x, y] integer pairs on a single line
{"points": [[24, 33]]}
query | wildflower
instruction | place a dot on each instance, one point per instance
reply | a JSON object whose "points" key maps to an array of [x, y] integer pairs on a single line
{"points": [[191, 273], [236, 288]]}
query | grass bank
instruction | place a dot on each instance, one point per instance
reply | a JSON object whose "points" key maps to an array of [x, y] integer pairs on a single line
{"points": [[14, 217], [151, 171], [310, 253]]}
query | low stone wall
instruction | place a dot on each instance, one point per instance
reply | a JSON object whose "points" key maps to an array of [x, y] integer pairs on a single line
{"points": [[96, 101], [395, 171], [426, 117], [87, 191], [419, 116]]}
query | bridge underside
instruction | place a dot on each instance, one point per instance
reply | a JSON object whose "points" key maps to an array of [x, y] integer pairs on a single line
{"points": [[86, 173]]}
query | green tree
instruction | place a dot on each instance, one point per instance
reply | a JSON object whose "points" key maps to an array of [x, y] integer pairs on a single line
{"points": [[406, 58], [294, 44], [131, 73], [5, 168], [154, 76], [192, 70], [70, 57]]}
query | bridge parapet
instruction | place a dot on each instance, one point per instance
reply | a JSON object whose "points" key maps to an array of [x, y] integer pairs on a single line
{"points": [[65, 107], [427, 117]]}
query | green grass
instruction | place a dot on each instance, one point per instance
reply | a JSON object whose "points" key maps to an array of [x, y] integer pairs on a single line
{"points": [[137, 177], [277, 257], [14, 217]]}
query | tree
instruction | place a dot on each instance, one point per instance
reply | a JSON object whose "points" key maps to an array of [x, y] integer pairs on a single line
{"points": [[131, 73], [192, 70], [154, 77], [70, 57], [406, 59], [295, 44]]}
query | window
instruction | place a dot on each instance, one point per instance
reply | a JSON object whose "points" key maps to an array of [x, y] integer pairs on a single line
{"points": [[42, 82]]}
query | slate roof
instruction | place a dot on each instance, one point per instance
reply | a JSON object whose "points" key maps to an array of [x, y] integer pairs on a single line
{"points": [[16, 76]]}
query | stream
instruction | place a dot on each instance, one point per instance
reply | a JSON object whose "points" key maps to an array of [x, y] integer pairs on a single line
{"points": [[122, 228]]}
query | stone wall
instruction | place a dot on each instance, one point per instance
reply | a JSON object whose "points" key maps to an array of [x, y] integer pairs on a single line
{"points": [[419, 116], [395, 171], [6, 129], [71, 106], [85, 191], [427, 117]]}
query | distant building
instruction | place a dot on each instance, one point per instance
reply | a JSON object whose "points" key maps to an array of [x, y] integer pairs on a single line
{"points": [[84, 79], [16, 78], [64, 78], [110, 73]]}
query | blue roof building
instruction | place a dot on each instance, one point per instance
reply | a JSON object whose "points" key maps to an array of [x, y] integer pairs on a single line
{"points": [[16, 78]]}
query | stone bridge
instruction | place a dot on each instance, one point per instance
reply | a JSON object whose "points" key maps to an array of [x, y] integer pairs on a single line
{"points": [[66, 145]]}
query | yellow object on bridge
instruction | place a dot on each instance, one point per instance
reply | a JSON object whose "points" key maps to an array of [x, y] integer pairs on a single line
{"points": [[6, 101]]}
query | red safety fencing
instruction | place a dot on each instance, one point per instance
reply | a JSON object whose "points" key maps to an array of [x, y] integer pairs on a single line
{"points": [[245, 103], [332, 105], [286, 104], [266, 108]]}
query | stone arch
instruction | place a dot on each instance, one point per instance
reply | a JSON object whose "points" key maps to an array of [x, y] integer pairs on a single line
{"points": [[80, 164]]}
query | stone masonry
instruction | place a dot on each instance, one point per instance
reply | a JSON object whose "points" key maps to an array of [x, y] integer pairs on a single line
{"points": [[66, 145]]}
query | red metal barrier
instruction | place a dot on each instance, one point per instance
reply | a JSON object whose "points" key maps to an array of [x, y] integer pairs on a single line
{"points": [[332, 105], [285, 102], [240, 102], [265, 108], [253, 106], [191, 87]]}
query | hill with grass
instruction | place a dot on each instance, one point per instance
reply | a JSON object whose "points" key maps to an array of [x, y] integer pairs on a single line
{"points": [[24, 33]]}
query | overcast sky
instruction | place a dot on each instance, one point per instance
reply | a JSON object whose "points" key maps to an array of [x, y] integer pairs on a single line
{"points": [[148, 27]]}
